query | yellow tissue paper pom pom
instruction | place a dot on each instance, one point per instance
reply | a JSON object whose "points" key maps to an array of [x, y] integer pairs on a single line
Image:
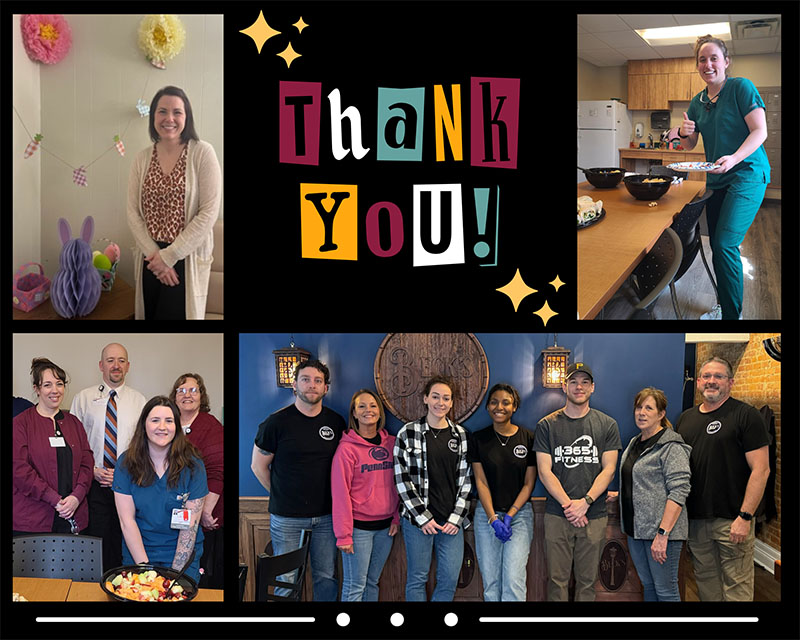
{"points": [[161, 37]]}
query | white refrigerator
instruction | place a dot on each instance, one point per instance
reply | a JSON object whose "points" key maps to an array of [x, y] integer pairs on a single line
{"points": [[604, 126]]}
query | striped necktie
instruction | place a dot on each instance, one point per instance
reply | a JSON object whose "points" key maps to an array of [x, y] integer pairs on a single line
{"points": [[110, 448]]}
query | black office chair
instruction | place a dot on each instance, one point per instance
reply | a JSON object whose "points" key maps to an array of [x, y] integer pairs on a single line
{"points": [[687, 225], [242, 580], [269, 568], [59, 555], [655, 273]]}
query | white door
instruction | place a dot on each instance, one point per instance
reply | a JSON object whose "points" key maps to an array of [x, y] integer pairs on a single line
{"points": [[596, 149]]}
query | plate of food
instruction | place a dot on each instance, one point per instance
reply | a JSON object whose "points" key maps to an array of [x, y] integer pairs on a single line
{"points": [[589, 212], [147, 583], [693, 166]]}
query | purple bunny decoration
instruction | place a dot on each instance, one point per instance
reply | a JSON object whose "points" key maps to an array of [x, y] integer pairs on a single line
{"points": [[76, 287]]}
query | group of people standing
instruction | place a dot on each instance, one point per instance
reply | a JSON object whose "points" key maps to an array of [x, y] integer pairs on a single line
{"points": [[116, 465], [355, 486]]}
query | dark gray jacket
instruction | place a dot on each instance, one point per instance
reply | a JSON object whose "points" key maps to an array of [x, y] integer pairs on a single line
{"points": [[662, 472]]}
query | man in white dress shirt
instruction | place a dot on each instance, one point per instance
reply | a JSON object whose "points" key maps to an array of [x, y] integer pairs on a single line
{"points": [[91, 407]]}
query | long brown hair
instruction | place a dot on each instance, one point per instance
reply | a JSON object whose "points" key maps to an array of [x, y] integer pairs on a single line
{"points": [[181, 455]]}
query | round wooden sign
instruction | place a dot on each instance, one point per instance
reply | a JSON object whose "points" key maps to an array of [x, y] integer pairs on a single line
{"points": [[406, 361]]}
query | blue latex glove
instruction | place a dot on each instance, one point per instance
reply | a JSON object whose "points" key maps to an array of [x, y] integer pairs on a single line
{"points": [[507, 521], [502, 532]]}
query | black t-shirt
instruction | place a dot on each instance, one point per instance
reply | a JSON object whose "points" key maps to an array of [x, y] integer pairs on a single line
{"points": [[505, 461], [719, 440], [301, 469], [442, 460]]}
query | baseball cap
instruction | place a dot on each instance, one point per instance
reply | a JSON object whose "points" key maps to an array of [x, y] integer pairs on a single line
{"points": [[576, 367]]}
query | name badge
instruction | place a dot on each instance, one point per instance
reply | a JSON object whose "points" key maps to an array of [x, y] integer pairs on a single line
{"points": [[57, 441], [181, 519]]}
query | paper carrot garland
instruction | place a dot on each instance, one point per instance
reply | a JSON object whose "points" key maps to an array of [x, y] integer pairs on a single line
{"points": [[33, 145], [119, 145], [143, 108], [79, 176]]}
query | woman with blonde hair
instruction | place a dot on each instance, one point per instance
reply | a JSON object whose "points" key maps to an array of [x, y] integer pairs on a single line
{"points": [[654, 485], [365, 516]]}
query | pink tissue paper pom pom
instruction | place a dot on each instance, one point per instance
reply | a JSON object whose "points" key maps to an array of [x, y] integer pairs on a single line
{"points": [[47, 38]]}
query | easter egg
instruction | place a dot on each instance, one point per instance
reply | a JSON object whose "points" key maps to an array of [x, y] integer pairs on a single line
{"points": [[95, 254], [101, 261], [112, 252]]}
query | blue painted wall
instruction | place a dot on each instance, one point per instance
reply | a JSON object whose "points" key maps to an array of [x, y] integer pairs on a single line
{"points": [[622, 365]]}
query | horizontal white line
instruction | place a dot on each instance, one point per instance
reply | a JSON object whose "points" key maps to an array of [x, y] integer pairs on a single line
{"points": [[630, 619], [175, 619]]}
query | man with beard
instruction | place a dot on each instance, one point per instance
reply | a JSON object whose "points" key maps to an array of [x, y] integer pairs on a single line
{"points": [[576, 453], [730, 466], [109, 413], [292, 458]]}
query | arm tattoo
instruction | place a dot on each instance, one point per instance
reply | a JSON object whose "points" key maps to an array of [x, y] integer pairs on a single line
{"points": [[187, 537]]}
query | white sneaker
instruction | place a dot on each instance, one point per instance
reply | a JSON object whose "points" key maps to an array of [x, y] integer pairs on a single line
{"points": [[715, 314]]}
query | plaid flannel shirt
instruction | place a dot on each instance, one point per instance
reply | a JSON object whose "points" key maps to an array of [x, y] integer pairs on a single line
{"points": [[411, 474]]}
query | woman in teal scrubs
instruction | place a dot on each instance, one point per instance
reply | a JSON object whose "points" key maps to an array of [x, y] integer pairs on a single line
{"points": [[160, 486], [730, 115]]}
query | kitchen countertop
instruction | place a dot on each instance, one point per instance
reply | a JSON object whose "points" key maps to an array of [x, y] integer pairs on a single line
{"points": [[662, 150]]}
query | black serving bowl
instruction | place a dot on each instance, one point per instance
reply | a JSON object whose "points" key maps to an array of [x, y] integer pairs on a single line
{"points": [[602, 178], [188, 584], [647, 190]]}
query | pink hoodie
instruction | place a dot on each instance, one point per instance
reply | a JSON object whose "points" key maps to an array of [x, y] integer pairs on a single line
{"points": [[362, 483]]}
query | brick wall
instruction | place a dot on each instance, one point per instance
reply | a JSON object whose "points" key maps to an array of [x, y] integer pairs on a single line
{"points": [[757, 381]]}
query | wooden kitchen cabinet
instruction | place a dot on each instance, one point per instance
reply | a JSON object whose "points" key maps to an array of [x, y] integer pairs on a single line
{"points": [[653, 84]]}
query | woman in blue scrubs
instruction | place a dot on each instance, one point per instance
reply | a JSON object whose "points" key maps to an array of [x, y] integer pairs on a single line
{"points": [[160, 486], [730, 115]]}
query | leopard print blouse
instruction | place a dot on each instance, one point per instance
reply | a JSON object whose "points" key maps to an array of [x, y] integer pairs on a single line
{"points": [[163, 199]]}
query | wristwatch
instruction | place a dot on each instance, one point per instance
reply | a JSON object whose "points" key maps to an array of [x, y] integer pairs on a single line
{"points": [[588, 499], [662, 531], [745, 516]]}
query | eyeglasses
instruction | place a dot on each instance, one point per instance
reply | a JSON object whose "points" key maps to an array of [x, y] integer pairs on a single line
{"points": [[184, 391], [716, 376]]}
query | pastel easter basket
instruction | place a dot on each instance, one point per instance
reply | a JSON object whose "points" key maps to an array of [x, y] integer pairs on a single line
{"points": [[31, 289]]}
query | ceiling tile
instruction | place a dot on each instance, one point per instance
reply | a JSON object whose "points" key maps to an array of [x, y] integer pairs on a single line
{"points": [[588, 42], [757, 45], [700, 19], [676, 51], [648, 21], [617, 39], [639, 53]]}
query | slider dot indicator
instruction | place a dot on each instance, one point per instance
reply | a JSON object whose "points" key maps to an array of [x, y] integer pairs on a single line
{"points": [[397, 620]]}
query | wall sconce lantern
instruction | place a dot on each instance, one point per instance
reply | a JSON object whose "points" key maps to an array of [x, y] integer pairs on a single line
{"points": [[555, 361], [286, 360]]}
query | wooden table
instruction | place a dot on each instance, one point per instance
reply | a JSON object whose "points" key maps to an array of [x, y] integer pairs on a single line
{"points": [[42, 589], [610, 250], [58, 590], [93, 592], [117, 304]]}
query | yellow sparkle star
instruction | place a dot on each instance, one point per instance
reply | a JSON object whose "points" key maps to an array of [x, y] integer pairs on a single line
{"points": [[289, 55], [260, 31], [300, 24], [545, 313], [557, 283], [516, 290]]}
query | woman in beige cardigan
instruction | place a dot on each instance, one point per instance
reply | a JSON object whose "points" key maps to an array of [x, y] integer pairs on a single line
{"points": [[174, 193]]}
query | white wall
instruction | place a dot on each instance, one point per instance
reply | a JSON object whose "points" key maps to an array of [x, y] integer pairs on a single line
{"points": [[26, 181], [89, 97], [157, 359]]}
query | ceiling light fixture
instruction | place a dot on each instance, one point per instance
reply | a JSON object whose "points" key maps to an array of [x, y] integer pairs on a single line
{"points": [[686, 34]]}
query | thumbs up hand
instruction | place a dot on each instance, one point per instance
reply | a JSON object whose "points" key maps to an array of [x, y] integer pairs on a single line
{"points": [[687, 126]]}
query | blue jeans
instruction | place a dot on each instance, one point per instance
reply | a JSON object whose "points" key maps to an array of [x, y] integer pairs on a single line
{"points": [[660, 581], [419, 550], [285, 534], [504, 565], [362, 569]]}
